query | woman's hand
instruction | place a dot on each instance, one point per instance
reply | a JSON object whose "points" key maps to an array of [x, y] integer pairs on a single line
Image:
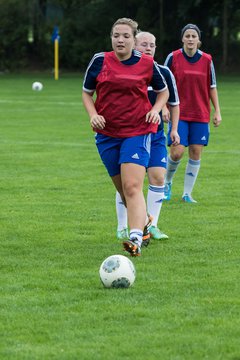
{"points": [[97, 121], [175, 138], [217, 118], [165, 114], [153, 117]]}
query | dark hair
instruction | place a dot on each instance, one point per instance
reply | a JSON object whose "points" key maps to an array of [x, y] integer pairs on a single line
{"points": [[193, 27]]}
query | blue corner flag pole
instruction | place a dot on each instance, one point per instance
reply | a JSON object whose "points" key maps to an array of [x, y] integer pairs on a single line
{"points": [[55, 40]]}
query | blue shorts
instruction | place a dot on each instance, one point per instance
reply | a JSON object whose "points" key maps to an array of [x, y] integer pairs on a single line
{"points": [[158, 154], [116, 151], [191, 133]]}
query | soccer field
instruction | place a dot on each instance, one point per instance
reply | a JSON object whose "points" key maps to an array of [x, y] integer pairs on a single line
{"points": [[58, 223]]}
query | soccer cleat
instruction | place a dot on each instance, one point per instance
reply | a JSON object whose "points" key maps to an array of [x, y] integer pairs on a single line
{"points": [[122, 234], [132, 247], [188, 199], [157, 234], [167, 191], [146, 232]]}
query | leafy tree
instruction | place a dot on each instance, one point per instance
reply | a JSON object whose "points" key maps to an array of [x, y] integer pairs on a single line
{"points": [[13, 34], [26, 28]]}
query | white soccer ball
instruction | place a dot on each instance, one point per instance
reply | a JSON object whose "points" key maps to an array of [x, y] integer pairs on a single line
{"points": [[117, 271], [37, 86]]}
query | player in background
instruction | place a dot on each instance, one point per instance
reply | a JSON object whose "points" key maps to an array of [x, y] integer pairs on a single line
{"points": [[146, 43], [123, 119], [196, 82]]}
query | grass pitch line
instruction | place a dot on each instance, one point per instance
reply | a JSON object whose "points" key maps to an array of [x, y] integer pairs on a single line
{"points": [[63, 103], [41, 143], [80, 144]]}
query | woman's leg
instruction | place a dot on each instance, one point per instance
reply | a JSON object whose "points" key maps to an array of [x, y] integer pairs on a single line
{"points": [[191, 173], [132, 182], [132, 178]]}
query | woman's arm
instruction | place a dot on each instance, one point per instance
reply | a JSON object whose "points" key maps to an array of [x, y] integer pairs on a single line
{"points": [[96, 121], [153, 114], [217, 113], [174, 111]]}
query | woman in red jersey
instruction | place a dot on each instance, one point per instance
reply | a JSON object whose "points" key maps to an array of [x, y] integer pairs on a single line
{"points": [[123, 119], [196, 82]]}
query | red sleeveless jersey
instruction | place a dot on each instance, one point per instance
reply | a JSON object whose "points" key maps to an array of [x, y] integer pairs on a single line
{"points": [[193, 84], [122, 96]]}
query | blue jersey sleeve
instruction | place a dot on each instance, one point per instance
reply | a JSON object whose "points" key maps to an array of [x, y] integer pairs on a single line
{"points": [[213, 80], [168, 61], [93, 69], [158, 82], [171, 83]]}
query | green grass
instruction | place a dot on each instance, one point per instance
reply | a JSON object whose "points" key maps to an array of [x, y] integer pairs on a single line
{"points": [[58, 223]]}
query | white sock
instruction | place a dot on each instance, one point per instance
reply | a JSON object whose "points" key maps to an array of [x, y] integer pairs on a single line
{"points": [[171, 169], [191, 174], [121, 213], [155, 197], [137, 234]]}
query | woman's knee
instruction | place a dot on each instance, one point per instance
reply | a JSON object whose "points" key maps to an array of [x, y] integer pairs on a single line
{"points": [[195, 152], [156, 179], [177, 152], [131, 188]]}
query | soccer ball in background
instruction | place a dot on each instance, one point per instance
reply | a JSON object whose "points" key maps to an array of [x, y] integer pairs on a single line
{"points": [[37, 86], [117, 271]]}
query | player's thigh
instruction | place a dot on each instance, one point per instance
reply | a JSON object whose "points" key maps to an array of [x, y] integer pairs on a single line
{"points": [[109, 151], [118, 184], [199, 133], [136, 150], [183, 132], [132, 176], [158, 153]]}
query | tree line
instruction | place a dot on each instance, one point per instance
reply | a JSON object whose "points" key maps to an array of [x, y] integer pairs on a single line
{"points": [[26, 29]]}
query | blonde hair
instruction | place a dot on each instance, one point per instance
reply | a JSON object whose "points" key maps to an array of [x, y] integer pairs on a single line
{"points": [[126, 21], [146, 33]]}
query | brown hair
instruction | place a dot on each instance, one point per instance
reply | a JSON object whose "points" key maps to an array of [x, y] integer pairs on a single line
{"points": [[126, 21]]}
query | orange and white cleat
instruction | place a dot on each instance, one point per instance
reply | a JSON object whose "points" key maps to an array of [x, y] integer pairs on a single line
{"points": [[132, 247], [146, 232]]}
